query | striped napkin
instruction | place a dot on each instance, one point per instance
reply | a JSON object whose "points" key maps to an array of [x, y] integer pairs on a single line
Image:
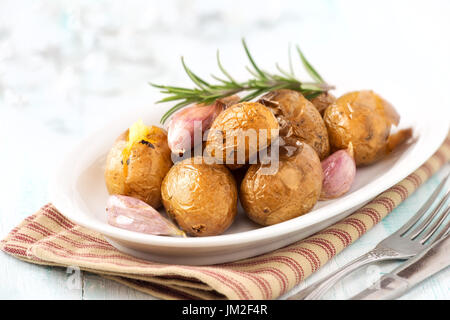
{"points": [[48, 238]]}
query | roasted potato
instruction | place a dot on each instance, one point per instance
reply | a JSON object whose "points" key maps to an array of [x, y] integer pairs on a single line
{"points": [[200, 197], [239, 132], [138, 162], [323, 101], [364, 119], [290, 192], [298, 119]]}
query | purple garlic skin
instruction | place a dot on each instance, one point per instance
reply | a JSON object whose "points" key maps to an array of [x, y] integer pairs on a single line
{"points": [[183, 124], [339, 171], [135, 215], [180, 132]]}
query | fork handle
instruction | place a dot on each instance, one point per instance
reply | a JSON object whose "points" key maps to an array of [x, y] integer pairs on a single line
{"points": [[316, 290]]}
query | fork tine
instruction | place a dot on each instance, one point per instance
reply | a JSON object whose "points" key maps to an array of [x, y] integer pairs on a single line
{"points": [[436, 225], [418, 230], [423, 209], [445, 231]]}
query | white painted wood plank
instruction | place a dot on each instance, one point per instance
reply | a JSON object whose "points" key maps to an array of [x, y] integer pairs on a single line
{"points": [[22, 280], [22, 192], [98, 288]]}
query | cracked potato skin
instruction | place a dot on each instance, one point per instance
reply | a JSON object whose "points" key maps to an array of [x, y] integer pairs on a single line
{"points": [[234, 121], [289, 193], [200, 197], [147, 167], [299, 120], [364, 119], [323, 101]]}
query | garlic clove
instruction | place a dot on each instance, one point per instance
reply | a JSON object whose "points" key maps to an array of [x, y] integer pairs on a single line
{"points": [[184, 123], [339, 171], [135, 215]]}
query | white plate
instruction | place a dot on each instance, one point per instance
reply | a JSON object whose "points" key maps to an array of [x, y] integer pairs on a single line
{"points": [[78, 191]]}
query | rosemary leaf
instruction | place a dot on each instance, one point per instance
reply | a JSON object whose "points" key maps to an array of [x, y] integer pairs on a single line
{"points": [[261, 74], [260, 82], [312, 72]]}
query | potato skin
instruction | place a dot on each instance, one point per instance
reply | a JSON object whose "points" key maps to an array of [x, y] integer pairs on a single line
{"points": [[232, 123], [146, 169], [291, 192], [364, 119], [323, 101], [200, 197], [299, 120]]}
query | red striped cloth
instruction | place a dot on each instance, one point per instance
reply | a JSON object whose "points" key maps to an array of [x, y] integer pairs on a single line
{"points": [[47, 237]]}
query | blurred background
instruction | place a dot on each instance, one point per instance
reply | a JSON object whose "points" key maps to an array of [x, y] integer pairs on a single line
{"points": [[69, 67]]}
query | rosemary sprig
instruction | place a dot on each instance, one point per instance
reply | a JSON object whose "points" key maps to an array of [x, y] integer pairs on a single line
{"points": [[262, 82]]}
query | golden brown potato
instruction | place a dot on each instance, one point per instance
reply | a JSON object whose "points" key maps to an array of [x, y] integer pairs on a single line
{"points": [[200, 197], [323, 101], [239, 132], [291, 192], [137, 164], [364, 119], [298, 119]]}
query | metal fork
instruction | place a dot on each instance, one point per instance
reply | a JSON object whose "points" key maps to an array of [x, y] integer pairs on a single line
{"points": [[399, 245]]}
